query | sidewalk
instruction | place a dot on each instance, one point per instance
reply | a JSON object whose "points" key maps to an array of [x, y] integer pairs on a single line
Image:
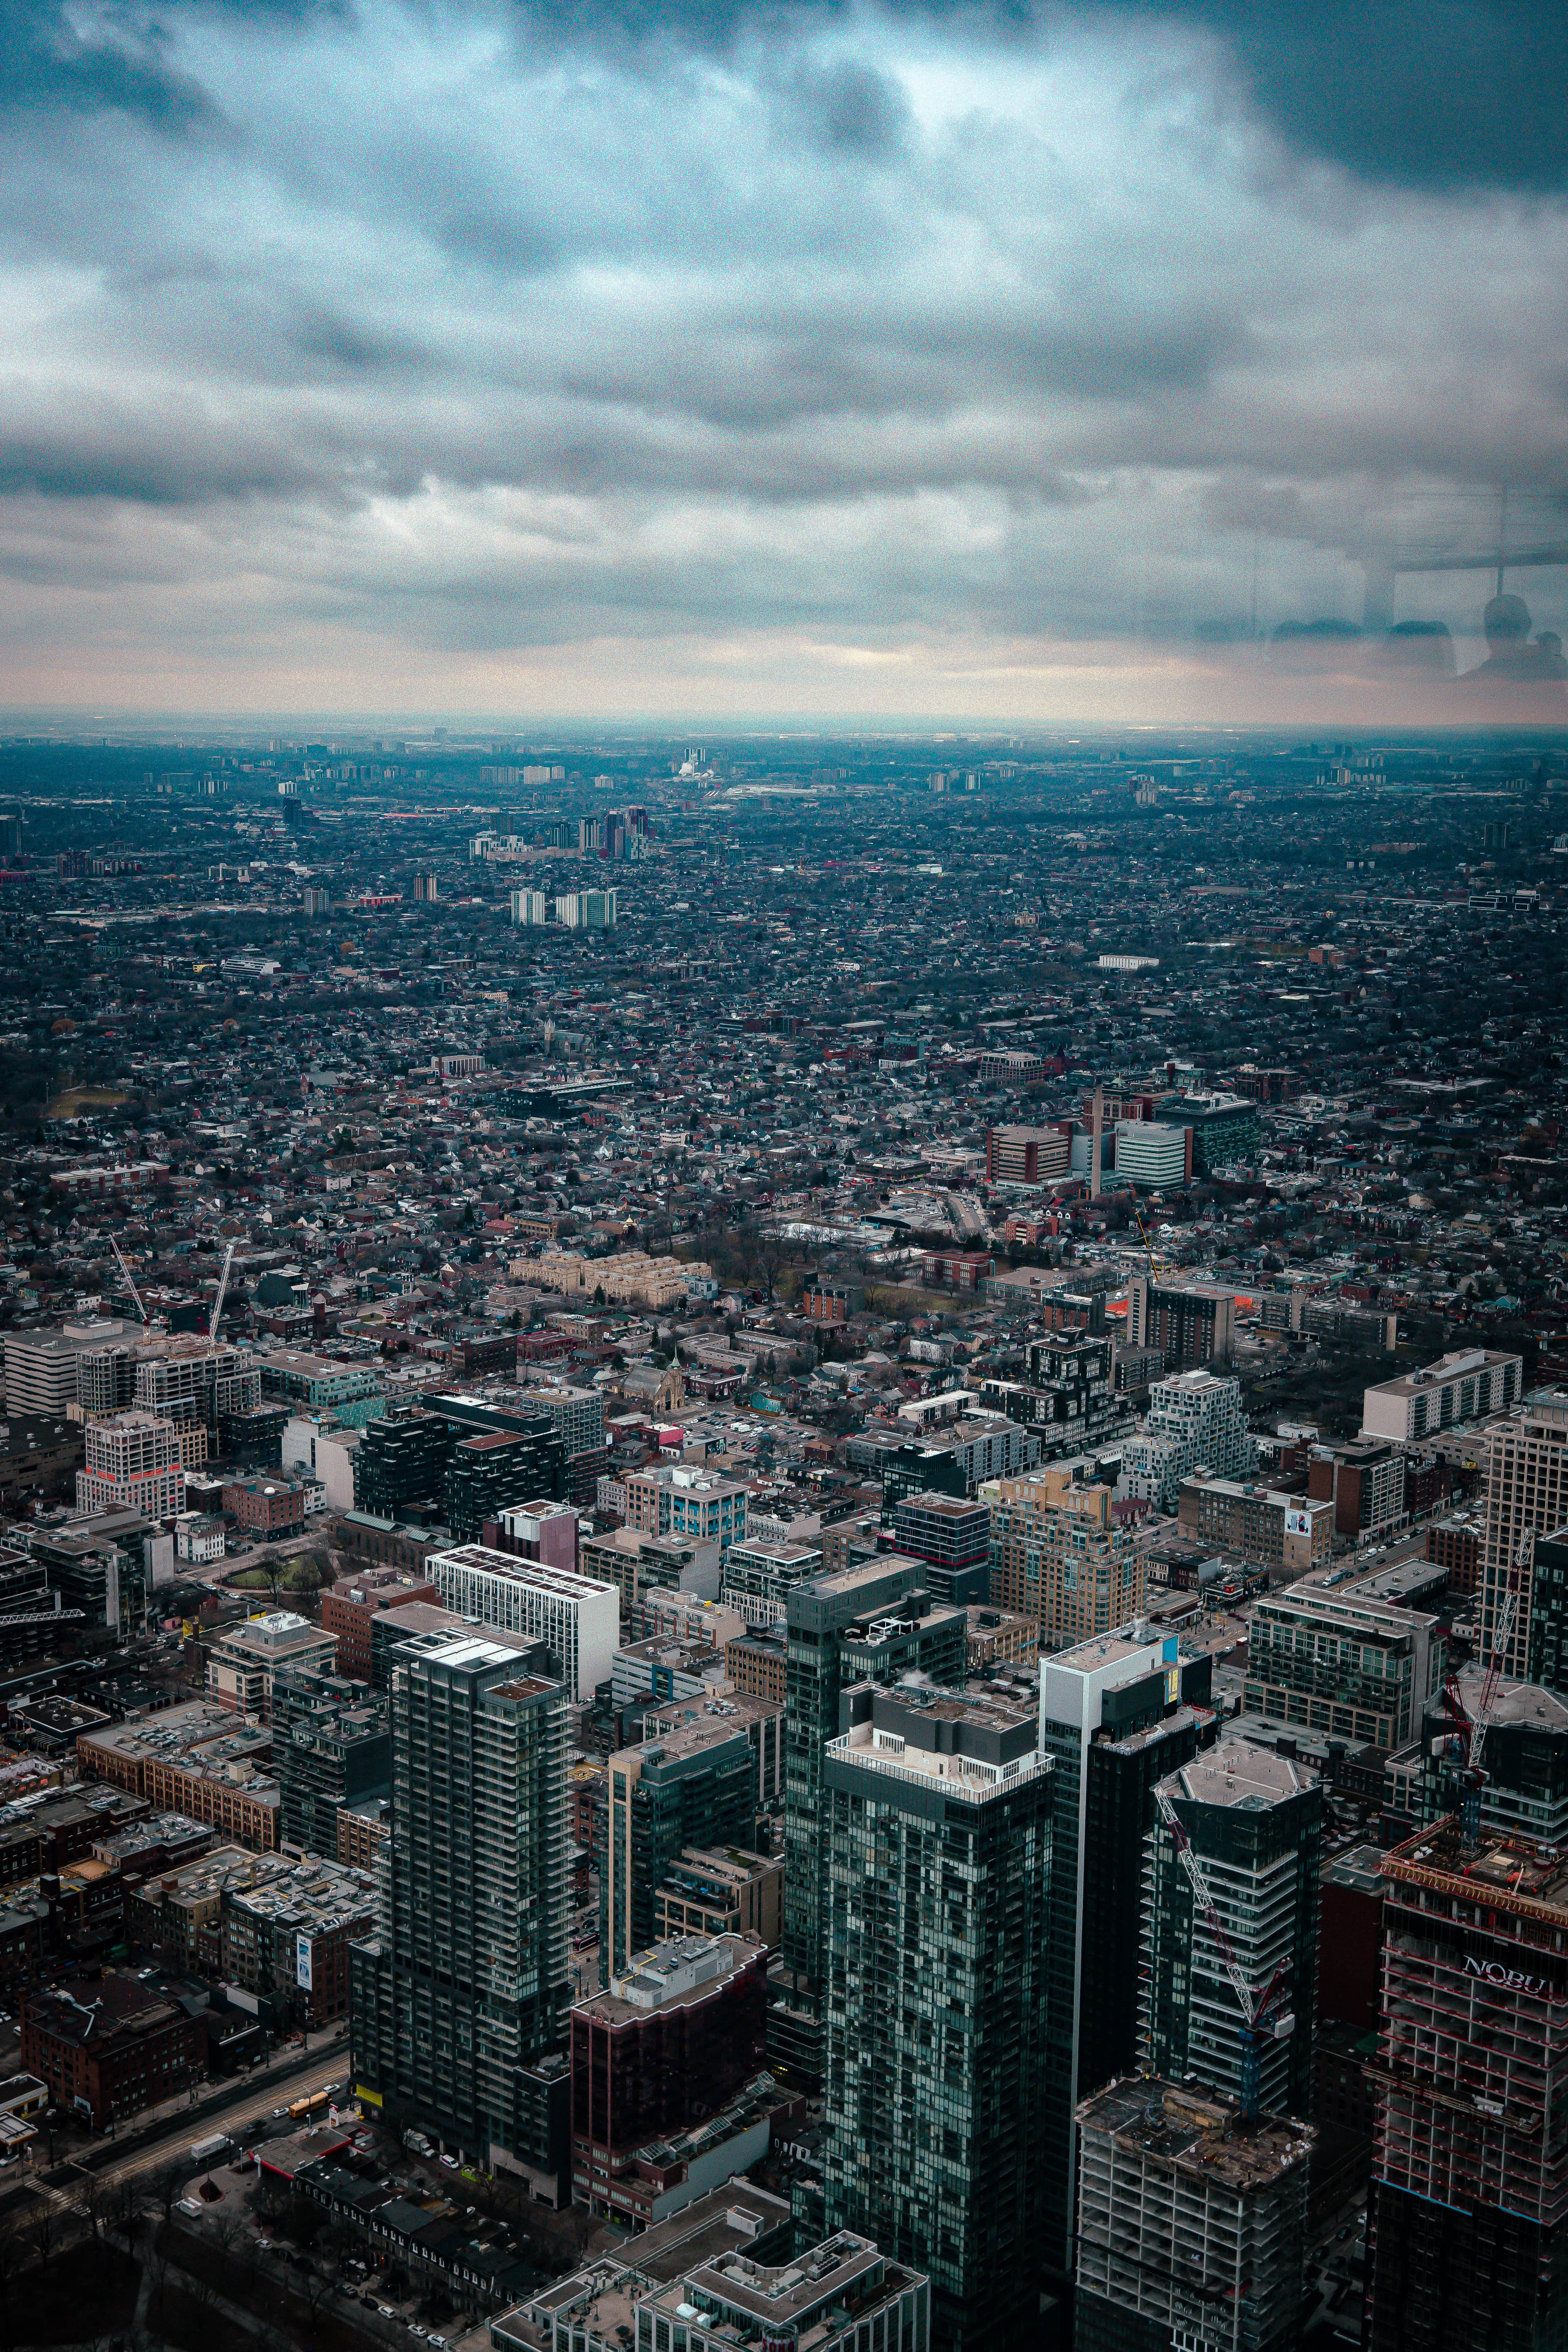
{"points": [[152, 2124]]}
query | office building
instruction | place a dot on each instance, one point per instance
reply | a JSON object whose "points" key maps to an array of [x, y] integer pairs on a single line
{"points": [[109, 2049], [692, 1786], [463, 1988], [1192, 2226], [319, 1384], [1152, 1155], [733, 1893], [1255, 1524], [1527, 1497], [576, 1615], [1468, 2220], [952, 1535], [197, 1760], [1192, 1324], [937, 1828], [43, 1373], [1226, 1129], [348, 1608], [675, 1499], [758, 1662], [1253, 1820], [1116, 1715], [576, 1415], [1468, 1386], [873, 1621], [1059, 1558], [758, 1578], [1195, 1422], [1343, 1663], [1027, 1155], [1367, 1479], [840, 2296], [132, 1464], [331, 1747], [244, 1662], [666, 2099], [288, 1936]]}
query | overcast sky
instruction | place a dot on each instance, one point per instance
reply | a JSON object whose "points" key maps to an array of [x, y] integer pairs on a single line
{"points": [[679, 360]]}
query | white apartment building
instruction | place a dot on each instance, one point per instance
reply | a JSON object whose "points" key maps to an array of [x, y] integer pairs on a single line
{"points": [[1468, 1386], [529, 907], [1195, 1422], [132, 1464], [577, 1616], [313, 1443], [1527, 1495]]}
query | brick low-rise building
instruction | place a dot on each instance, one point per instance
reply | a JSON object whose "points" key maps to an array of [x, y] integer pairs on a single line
{"points": [[109, 2049], [349, 1607]]}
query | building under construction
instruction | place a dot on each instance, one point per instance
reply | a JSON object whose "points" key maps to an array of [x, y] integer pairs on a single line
{"points": [[1192, 2223], [1469, 2218]]}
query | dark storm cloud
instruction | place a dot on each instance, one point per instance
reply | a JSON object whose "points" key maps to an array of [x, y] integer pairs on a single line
{"points": [[1442, 94], [49, 68], [1434, 94]]}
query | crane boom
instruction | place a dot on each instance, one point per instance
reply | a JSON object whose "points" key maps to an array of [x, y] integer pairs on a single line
{"points": [[1502, 1629], [222, 1293], [128, 1278], [1205, 1902]]}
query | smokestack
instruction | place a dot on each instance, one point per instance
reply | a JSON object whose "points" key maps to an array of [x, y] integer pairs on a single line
{"points": [[1097, 1130]]}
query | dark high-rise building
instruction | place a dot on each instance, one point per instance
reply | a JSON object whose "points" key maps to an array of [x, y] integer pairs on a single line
{"points": [[1069, 1397], [694, 1786], [1468, 2223], [867, 1624], [466, 1987], [331, 1746], [661, 2052], [1255, 1821], [493, 1471], [937, 1830], [401, 1459], [1191, 1323], [416, 1455], [1114, 1719], [952, 1535]]}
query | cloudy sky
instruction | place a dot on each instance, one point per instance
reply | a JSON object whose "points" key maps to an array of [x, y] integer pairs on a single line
{"points": [[670, 358]]}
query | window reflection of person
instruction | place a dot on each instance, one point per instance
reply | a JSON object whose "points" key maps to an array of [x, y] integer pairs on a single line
{"points": [[1511, 659]]}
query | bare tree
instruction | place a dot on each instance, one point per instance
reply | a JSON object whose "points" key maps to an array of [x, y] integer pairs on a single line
{"points": [[44, 2230]]}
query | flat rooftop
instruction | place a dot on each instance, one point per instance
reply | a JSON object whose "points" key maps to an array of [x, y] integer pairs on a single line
{"points": [[484, 1562], [1242, 1778]]}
